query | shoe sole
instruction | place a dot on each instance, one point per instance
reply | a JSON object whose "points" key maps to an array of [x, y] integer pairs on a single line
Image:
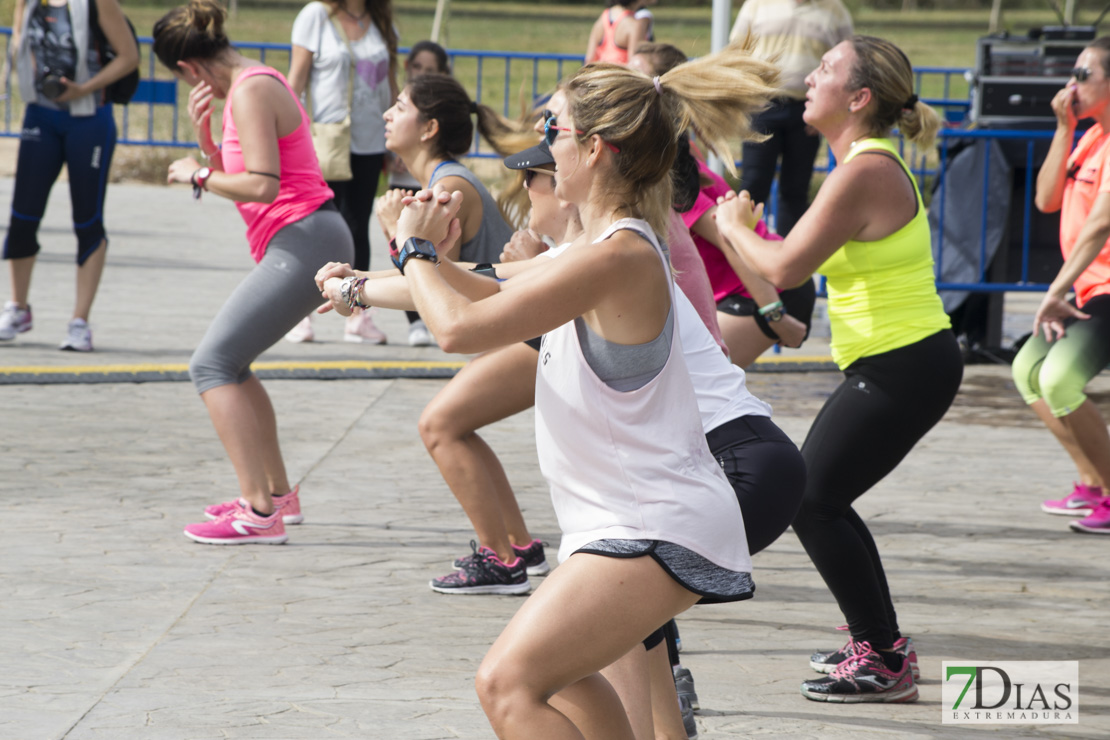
{"points": [[1081, 511], [355, 339], [503, 590], [883, 697], [275, 540], [540, 569], [693, 700], [291, 519], [1077, 527], [828, 668], [71, 348]]}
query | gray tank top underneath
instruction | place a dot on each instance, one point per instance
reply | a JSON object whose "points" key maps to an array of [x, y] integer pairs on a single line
{"points": [[493, 233], [625, 367]]}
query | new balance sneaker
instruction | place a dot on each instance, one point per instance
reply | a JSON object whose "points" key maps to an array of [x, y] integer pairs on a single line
{"points": [[289, 505], [302, 332], [863, 678], [684, 686], [360, 327], [1098, 522], [534, 559], [484, 573], [14, 320], [1081, 501], [827, 662], [689, 723], [419, 336], [78, 337], [240, 526]]}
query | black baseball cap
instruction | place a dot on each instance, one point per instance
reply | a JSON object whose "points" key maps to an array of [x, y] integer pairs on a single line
{"points": [[537, 156]]}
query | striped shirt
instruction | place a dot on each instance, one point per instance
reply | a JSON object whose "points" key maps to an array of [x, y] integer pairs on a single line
{"points": [[796, 33]]}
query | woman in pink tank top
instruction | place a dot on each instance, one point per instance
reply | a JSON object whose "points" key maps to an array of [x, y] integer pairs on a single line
{"points": [[617, 32], [266, 164]]}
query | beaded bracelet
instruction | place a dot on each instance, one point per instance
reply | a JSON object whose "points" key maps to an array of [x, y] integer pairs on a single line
{"points": [[355, 294]]}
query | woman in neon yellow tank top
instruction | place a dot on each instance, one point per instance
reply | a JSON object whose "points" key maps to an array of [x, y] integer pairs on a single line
{"points": [[867, 232]]}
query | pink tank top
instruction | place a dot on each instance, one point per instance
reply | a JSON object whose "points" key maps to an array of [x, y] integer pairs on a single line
{"points": [[303, 189], [607, 50]]}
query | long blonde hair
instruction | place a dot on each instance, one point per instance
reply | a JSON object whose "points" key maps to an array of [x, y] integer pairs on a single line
{"points": [[643, 117]]}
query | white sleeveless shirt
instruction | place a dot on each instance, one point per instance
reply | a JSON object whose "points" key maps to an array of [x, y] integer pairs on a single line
{"points": [[632, 465]]}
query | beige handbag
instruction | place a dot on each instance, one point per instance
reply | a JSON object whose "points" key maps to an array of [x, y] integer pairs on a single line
{"points": [[333, 140]]}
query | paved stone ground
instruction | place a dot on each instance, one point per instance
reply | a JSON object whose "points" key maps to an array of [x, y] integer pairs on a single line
{"points": [[113, 625]]}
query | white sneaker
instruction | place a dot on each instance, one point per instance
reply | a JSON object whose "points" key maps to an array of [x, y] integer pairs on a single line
{"points": [[360, 328], [14, 320], [302, 332], [78, 337], [419, 336]]}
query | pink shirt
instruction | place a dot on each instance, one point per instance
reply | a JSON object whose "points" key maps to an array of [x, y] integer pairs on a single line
{"points": [[303, 189], [722, 277]]}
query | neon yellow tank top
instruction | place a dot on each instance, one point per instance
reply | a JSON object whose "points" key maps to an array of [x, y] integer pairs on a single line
{"points": [[882, 294]]}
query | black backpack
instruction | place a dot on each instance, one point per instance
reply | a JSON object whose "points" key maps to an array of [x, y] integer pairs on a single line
{"points": [[122, 90]]}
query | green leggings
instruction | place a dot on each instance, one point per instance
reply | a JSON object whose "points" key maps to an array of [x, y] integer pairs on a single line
{"points": [[1059, 371]]}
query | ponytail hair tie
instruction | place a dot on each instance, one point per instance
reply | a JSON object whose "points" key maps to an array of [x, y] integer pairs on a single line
{"points": [[658, 85], [474, 107], [911, 103]]}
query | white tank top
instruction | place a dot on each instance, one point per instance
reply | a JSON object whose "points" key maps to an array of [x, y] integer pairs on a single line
{"points": [[631, 465]]}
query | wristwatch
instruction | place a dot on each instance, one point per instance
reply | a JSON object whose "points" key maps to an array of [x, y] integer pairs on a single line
{"points": [[773, 312], [416, 247], [200, 177]]}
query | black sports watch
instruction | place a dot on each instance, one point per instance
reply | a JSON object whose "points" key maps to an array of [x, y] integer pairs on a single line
{"points": [[416, 247]]}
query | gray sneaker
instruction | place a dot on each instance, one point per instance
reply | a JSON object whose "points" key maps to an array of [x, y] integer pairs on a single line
{"points": [[78, 337], [688, 722], [14, 320], [684, 686]]}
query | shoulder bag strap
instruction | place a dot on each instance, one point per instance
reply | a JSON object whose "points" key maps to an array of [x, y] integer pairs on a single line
{"points": [[351, 68]]}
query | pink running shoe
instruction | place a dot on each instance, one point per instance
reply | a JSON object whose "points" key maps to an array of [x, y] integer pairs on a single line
{"points": [[1098, 522], [863, 678], [1082, 500], [240, 526], [289, 505], [361, 328]]}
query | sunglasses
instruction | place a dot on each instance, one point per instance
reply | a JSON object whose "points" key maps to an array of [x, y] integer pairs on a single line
{"points": [[551, 132], [530, 175], [1081, 74]]}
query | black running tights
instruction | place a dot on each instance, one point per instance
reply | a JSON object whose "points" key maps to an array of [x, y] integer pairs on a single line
{"points": [[886, 403]]}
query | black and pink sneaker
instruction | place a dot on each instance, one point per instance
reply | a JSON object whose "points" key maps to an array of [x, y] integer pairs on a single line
{"points": [[863, 678], [534, 559], [484, 573]]}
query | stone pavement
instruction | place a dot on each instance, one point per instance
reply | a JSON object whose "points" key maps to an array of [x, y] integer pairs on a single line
{"points": [[114, 625]]}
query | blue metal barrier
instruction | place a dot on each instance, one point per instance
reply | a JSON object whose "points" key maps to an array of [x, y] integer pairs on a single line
{"points": [[157, 117]]}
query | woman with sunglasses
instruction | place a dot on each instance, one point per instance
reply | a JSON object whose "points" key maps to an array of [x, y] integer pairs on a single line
{"points": [[868, 232], [650, 523], [428, 127], [1071, 339]]}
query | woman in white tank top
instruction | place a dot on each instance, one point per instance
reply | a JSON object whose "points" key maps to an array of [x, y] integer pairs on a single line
{"points": [[650, 524]]}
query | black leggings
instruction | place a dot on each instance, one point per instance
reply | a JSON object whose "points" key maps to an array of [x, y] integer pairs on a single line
{"points": [[886, 403], [355, 198]]}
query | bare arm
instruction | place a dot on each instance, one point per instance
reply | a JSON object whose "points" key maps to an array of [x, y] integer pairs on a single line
{"points": [[761, 290], [17, 31], [637, 34], [1054, 309], [1051, 177], [300, 69], [595, 39], [116, 30]]}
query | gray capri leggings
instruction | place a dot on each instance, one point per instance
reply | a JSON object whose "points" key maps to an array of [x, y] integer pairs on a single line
{"points": [[270, 301]]}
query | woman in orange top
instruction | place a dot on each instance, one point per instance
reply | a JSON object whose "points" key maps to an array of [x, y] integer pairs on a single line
{"points": [[617, 32], [1052, 370]]}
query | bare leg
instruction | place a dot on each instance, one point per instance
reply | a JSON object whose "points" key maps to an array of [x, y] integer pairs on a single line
{"points": [[1088, 473], [629, 678], [588, 613], [743, 337], [1088, 429], [245, 422], [20, 274], [492, 387], [88, 280], [665, 713]]}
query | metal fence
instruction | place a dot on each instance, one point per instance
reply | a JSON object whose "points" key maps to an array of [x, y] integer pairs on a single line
{"points": [[510, 81]]}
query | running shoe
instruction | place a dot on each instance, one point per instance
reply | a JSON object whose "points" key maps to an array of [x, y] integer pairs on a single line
{"points": [[1098, 522], [485, 573], [533, 555], [361, 328], [302, 332], [689, 723], [827, 662], [240, 526], [288, 504], [684, 685], [419, 336], [863, 678], [14, 320], [1081, 501], [78, 337]]}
